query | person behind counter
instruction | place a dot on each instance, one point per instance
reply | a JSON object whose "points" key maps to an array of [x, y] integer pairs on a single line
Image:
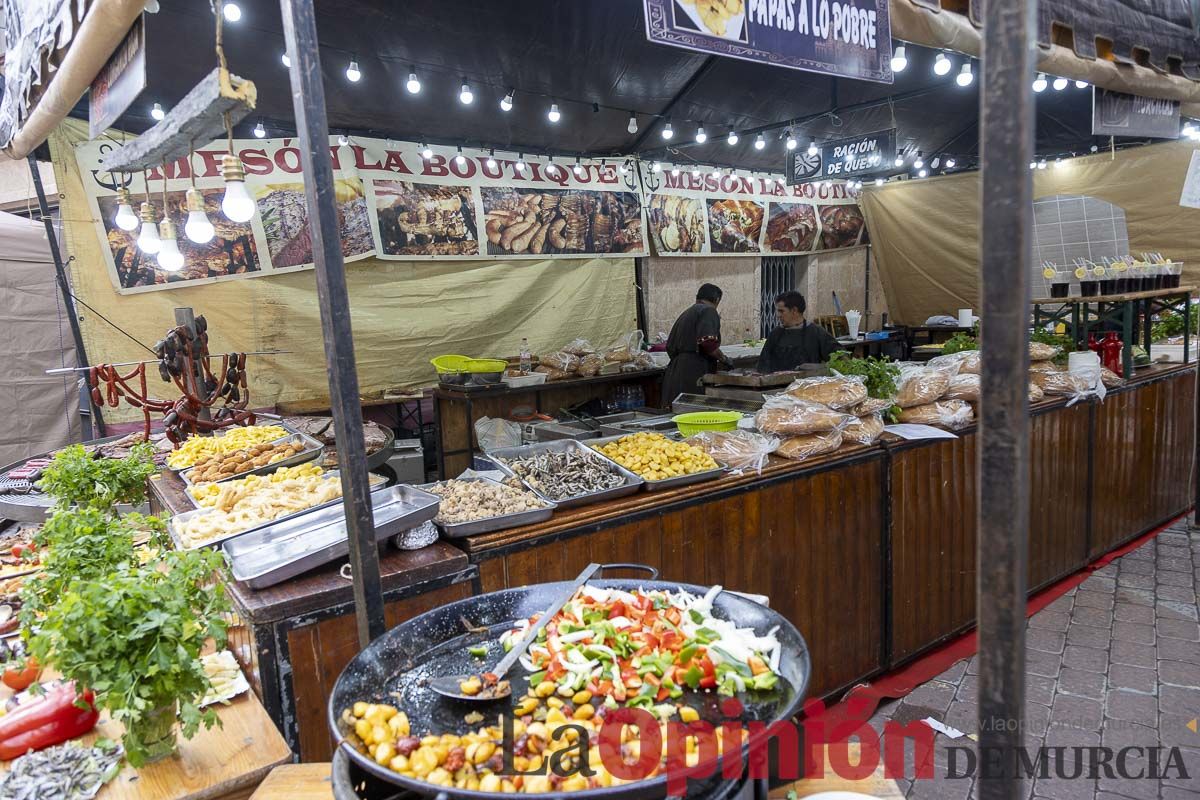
{"points": [[694, 344], [797, 341]]}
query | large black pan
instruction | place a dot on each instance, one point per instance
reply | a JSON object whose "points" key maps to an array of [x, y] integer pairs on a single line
{"points": [[392, 669]]}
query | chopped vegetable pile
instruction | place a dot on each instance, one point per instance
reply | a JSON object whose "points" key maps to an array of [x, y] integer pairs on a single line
{"points": [[642, 648]]}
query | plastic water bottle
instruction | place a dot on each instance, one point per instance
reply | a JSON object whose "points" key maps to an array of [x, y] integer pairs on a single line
{"points": [[526, 357]]}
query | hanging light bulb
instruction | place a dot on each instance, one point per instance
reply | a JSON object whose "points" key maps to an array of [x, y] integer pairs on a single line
{"points": [[934, 163], [148, 241], [701, 136], [965, 76], [157, 112], [353, 73], [1041, 164], [197, 228], [622, 168], [1094, 148], [507, 103], [412, 84], [789, 140], [732, 138], [259, 130], [950, 163], [578, 169], [899, 59], [899, 162], [918, 162], [695, 172], [668, 131], [921, 173], [675, 172], [491, 162], [759, 142], [1081, 84], [232, 11], [521, 163], [812, 148], [1039, 83], [1033, 165], [716, 173], [465, 95], [879, 181], [1058, 162], [657, 167], [941, 64], [237, 204], [343, 140], [126, 220], [287, 62], [169, 257], [426, 152], [553, 114], [632, 126], [460, 159], [1060, 84]]}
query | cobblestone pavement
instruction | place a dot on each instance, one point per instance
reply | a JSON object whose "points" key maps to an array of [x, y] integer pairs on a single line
{"points": [[1113, 663]]}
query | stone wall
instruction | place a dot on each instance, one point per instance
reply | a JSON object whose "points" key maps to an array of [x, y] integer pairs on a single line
{"points": [[670, 286]]}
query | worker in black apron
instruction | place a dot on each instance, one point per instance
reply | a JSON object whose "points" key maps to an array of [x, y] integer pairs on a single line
{"points": [[796, 341], [694, 345]]}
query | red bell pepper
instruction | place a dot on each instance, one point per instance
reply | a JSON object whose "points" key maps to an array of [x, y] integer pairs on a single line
{"points": [[47, 721]]}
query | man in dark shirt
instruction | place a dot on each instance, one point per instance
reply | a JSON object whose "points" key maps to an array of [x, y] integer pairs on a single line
{"points": [[694, 344], [797, 341]]}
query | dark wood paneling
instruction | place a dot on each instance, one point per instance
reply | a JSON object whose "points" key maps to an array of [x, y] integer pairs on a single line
{"points": [[1058, 494], [1143, 453], [813, 543], [320, 651]]}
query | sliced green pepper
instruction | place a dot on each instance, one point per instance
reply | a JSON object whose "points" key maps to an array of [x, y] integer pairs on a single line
{"points": [[479, 651]]}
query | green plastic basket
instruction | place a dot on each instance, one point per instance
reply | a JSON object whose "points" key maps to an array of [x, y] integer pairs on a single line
{"points": [[485, 365], [697, 421], [450, 363]]}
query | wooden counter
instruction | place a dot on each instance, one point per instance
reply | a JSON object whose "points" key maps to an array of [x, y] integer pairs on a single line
{"points": [[457, 410]]}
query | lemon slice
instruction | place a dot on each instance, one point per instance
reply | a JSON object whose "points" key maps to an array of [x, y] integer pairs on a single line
{"points": [[1097, 270], [1048, 273], [1081, 272]]}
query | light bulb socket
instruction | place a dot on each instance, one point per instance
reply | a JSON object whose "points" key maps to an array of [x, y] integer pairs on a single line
{"points": [[195, 200], [166, 230], [123, 197], [232, 169], [146, 213]]}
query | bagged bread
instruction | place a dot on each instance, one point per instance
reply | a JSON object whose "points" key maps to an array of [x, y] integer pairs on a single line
{"points": [[864, 430], [1036, 395], [1110, 378], [590, 365], [553, 374], [799, 448], [1043, 366], [872, 405], [579, 347], [561, 361], [918, 386], [626, 349], [964, 387], [739, 450], [837, 392], [966, 361], [785, 415], [1066, 384], [1039, 351], [951, 414]]}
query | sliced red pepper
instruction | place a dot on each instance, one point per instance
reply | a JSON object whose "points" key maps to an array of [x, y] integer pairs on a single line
{"points": [[39, 712], [673, 615], [73, 722], [663, 694], [710, 672], [617, 610]]}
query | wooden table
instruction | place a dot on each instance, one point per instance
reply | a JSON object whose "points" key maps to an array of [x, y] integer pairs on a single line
{"points": [[297, 782], [876, 785], [224, 763]]}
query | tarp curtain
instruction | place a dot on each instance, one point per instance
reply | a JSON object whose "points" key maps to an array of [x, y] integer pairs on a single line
{"points": [[404, 313], [35, 335], [926, 233]]}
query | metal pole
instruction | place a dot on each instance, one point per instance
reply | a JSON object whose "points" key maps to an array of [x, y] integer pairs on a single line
{"points": [[1006, 117], [63, 286], [308, 100]]}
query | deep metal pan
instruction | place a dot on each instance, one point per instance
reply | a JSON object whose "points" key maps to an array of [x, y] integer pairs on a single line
{"points": [[501, 522], [288, 431], [632, 481], [392, 668], [310, 450], [666, 483]]}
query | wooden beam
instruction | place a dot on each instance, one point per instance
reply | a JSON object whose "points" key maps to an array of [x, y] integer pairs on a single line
{"points": [[198, 118]]}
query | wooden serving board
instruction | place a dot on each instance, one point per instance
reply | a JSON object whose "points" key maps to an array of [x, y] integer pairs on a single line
{"points": [[752, 380], [874, 785], [297, 782], [224, 763]]}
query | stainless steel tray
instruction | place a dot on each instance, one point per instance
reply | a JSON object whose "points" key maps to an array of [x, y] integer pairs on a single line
{"points": [[312, 450], [284, 550], [461, 529], [278, 424], [667, 483], [632, 481], [174, 522]]}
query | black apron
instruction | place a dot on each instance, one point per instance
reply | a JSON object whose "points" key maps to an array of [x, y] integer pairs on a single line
{"points": [[688, 364]]}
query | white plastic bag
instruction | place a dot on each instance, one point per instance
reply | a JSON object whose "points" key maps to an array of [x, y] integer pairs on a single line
{"points": [[739, 450], [493, 434]]}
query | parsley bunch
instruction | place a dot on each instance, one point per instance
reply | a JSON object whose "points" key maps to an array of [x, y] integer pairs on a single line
{"points": [[75, 478], [879, 374]]}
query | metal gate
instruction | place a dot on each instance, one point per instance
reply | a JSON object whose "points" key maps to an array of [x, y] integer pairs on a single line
{"points": [[778, 275]]}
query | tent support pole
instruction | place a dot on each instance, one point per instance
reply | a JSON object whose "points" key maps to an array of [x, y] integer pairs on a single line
{"points": [[1006, 145], [64, 286], [308, 100]]}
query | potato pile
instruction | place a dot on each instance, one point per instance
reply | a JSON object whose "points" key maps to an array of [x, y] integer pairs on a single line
{"points": [[224, 465], [468, 501], [206, 494], [655, 457], [199, 447]]}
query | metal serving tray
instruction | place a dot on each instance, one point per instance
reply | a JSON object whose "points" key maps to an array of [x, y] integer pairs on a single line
{"points": [[288, 431], [292, 547], [632, 481], [461, 529], [667, 483], [311, 451], [174, 522]]}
